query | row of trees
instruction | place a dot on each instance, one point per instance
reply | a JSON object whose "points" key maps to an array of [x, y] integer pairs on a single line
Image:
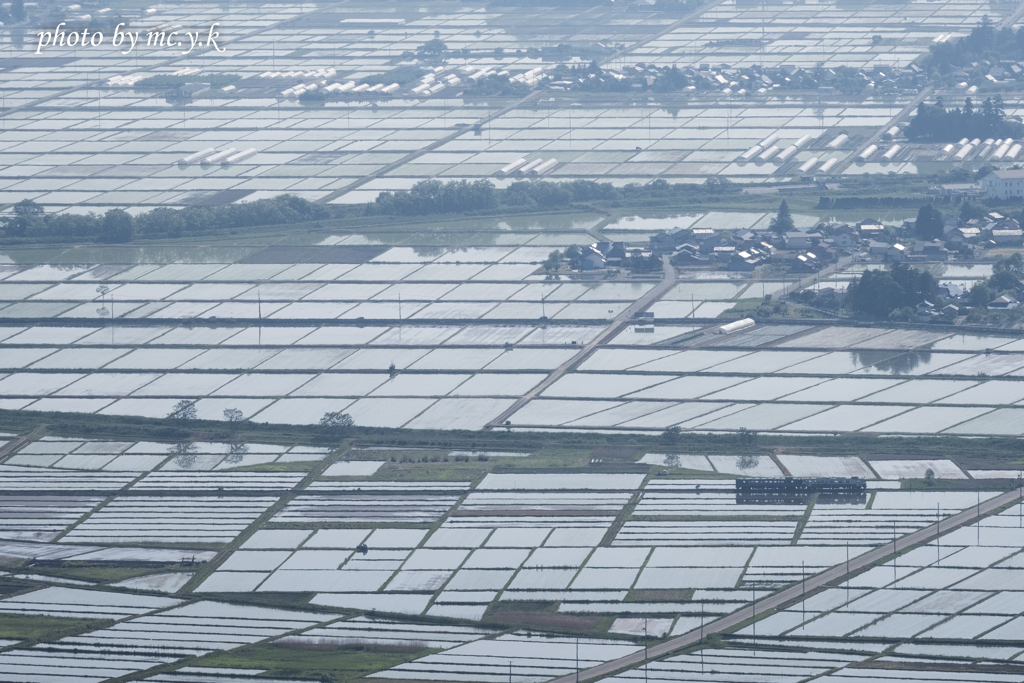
{"points": [[332, 426], [117, 226], [983, 42], [429, 197], [29, 221], [936, 123]]}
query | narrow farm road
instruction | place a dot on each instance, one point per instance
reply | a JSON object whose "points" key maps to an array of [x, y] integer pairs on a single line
{"points": [[619, 323]]}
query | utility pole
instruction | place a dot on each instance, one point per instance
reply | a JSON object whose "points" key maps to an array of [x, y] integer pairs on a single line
{"points": [[894, 551], [645, 649], [753, 615], [847, 571]]}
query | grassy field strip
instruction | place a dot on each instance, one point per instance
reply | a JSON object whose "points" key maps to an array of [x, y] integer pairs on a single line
{"points": [[804, 519]]}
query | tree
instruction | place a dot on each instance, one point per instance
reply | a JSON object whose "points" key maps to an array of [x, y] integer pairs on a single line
{"points": [[672, 460], [981, 295], [27, 207], [916, 284], [638, 263], [334, 425], [720, 185], [930, 223], [117, 227], [553, 261], [969, 211], [671, 435], [184, 412], [575, 257], [1012, 264], [234, 417], [783, 221], [432, 48], [18, 10]]}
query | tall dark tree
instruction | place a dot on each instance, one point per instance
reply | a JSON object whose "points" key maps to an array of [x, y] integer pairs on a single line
{"points": [[117, 227], [783, 220], [930, 223], [981, 295]]}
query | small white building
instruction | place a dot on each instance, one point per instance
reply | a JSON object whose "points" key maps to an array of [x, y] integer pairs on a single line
{"points": [[1004, 184]]}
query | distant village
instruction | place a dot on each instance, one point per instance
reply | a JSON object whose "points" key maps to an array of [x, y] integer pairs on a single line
{"points": [[810, 251]]}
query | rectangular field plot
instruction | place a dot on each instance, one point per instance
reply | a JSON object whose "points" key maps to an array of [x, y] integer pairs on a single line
{"points": [[815, 466], [75, 602], [916, 469], [26, 666], [366, 508], [383, 632], [192, 630], [478, 661], [705, 533], [41, 517], [170, 520]]}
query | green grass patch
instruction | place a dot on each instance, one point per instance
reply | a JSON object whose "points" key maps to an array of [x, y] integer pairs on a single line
{"points": [[660, 595], [298, 466], [545, 615], [40, 627], [340, 664], [100, 574]]}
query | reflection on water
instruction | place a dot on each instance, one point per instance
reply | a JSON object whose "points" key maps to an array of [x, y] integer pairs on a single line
{"points": [[155, 254], [900, 364], [800, 490], [184, 454]]}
